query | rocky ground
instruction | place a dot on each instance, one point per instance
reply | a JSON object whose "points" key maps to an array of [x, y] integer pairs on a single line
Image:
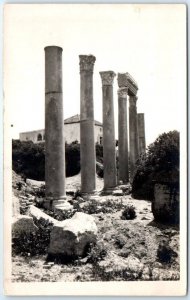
{"points": [[136, 249]]}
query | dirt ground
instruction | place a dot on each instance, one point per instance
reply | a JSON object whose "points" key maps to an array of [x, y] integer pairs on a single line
{"points": [[138, 249]]}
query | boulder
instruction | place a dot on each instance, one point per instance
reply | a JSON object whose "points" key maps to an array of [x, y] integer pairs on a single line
{"points": [[23, 224], [72, 237]]}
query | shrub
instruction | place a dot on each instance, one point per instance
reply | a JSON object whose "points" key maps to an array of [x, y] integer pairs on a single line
{"points": [[129, 213], [72, 158], [34, 243], [160, 163], [29, 159], [165, 253]]}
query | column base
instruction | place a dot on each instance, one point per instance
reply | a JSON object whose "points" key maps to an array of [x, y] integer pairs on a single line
{"points": [[88, 196], [108, 191], [49, 203]]}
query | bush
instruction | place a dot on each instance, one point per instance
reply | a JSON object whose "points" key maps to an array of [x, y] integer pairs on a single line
{"points": [[160, 163], [32, 244], [29, 159], [72, 158], [165, 253], [129, 213]]}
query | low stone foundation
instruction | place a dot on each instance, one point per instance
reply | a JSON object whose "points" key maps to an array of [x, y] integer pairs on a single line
{"points": [[165, 205]]}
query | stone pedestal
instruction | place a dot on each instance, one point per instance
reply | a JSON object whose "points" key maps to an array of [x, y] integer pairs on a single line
{"points": [[54, 128], [123, 136], [133, 134], [109, 151], [87, 142], [141, 133]]}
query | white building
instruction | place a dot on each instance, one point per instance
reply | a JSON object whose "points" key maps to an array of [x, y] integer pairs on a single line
{"points": [[71, 128]]}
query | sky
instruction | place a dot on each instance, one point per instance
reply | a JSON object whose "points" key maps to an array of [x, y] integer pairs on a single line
{"points": [[148, 41]]}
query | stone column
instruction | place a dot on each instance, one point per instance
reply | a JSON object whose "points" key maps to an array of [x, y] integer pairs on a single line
{"points": [[141, 133], [133, 134], [54, 128], [123, 135], [109, 151], [87, 142]]}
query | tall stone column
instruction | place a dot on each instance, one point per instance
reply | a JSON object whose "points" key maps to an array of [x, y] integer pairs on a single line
{"points": [[87, 142], [123, 135], [133, 134], [141, 133], [54, 128], [109, 153]]}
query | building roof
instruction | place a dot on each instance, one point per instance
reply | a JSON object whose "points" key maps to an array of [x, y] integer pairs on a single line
{"points": [[73, 119], [76, 119]]}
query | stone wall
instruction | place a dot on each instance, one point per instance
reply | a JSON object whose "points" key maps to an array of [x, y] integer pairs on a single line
{"points": [[72, 133], [165, 205]]}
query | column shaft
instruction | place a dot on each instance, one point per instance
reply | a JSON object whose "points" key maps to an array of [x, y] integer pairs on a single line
{"points": [[141, 133], [54, 126], [123, 136], [133, 134], [109, 154], [87, 142]]}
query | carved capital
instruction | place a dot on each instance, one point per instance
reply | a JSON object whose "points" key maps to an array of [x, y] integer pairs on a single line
{"points": [[122, 92], [126, 80], [86, 62], [133, 100], [107, 77]]}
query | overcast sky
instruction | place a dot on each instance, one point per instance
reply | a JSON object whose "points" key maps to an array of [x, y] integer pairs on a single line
{"points": [[148, 41]]}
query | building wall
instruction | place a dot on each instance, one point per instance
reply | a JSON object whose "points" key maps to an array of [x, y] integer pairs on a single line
{"points": [[36, 136], [72, 133]]}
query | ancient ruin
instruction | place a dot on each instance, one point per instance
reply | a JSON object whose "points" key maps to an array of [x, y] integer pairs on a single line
{"points": [[123, 172], [141, 133], [54, 128], [88, 158], [109, 145], [125, 80]]}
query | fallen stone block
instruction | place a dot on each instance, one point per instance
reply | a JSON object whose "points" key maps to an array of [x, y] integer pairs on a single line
{"points": [[23, 224], [40, 216], [35, 183], [72, 237], [118, 193]]}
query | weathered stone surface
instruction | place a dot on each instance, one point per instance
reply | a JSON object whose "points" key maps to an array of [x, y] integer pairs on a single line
{"points": [[16, 205], [36, 183], [108, 130], [72, 236], [118, 193], [39, 215], [23, 224], [54, 127], [87, 142], [165, 205]]}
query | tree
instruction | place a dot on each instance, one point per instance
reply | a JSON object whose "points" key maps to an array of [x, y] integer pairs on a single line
{"points": [[160, 163]]}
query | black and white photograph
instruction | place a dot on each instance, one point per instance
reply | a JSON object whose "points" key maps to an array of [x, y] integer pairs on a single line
{"points": [[95, 149]]}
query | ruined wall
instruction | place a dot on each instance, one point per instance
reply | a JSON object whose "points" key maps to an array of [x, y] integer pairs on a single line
{"points": [[165, 205]]}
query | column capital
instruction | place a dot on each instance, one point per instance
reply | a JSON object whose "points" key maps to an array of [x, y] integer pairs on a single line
{"points": [[86, 62], [107, 77], [122, 92], [133, 100]]}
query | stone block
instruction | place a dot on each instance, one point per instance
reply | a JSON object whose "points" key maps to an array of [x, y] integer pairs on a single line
{"points": [[40, 216], [118, 193], [165, 205], [71, 237], [23, 224]]}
